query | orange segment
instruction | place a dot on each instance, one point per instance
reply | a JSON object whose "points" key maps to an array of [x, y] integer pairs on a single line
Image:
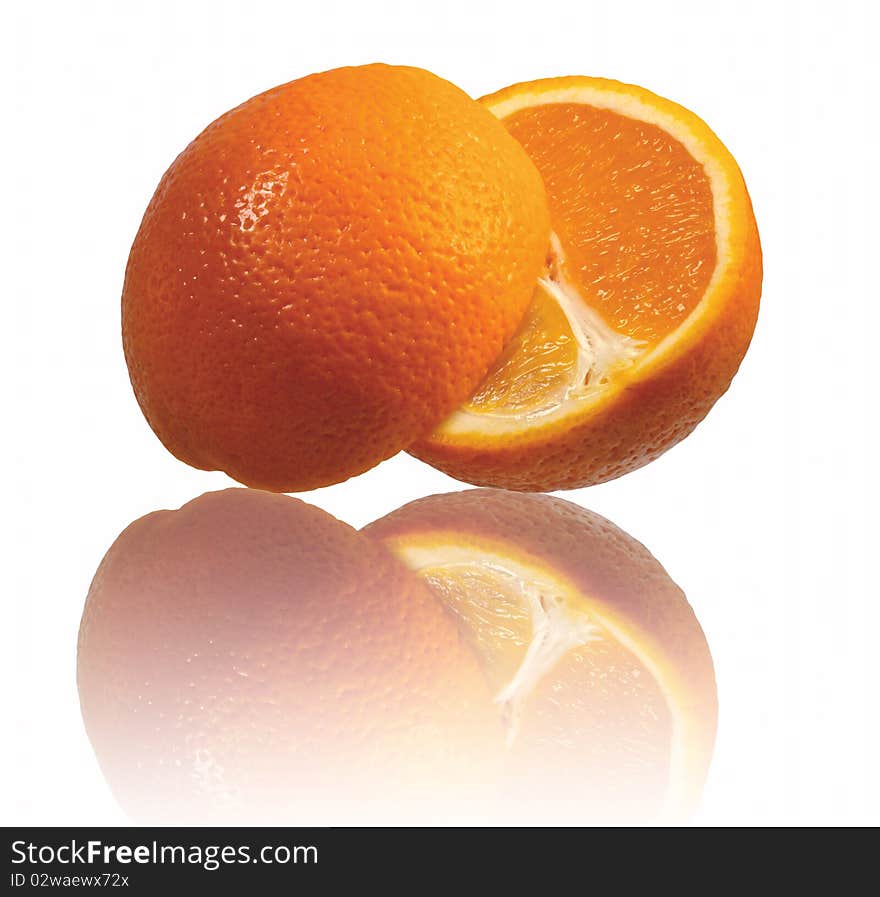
{"points": [[485, 603], [537, 365], [655, 266]]}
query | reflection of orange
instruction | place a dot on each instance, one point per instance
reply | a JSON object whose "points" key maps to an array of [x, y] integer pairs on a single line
{"points": [[481, 656], [326, 272], [647, 305], [600, 670], [250, 658]]}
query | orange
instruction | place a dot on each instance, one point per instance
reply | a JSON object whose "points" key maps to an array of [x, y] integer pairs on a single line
{"points": [[599, 669], [645, 308], [326, 272], [249, 658]]}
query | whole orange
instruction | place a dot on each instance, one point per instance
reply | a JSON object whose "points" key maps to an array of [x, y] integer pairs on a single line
{"points": [[326, 272]]}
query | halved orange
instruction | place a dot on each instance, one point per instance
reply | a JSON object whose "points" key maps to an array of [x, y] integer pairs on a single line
{"points": [[599, 669], [647, 303]]}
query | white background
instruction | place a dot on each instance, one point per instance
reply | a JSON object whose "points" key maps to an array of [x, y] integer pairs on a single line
{"points": [[765, 516]]}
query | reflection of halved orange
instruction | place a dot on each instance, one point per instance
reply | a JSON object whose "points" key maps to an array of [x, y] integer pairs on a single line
{"points": [[249, 658], [599, 668], [647, 304]]}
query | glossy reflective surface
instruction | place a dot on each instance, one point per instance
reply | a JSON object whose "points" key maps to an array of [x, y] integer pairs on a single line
{"points": [[476, 656]]}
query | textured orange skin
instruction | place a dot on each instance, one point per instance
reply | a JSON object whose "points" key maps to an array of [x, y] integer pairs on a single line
{"points": [[326, 272], [651, 411], [299, 657], [617, 572]]}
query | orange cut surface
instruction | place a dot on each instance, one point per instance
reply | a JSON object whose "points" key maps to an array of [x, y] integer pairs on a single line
{"points": [[536, 367], [632, 210]]}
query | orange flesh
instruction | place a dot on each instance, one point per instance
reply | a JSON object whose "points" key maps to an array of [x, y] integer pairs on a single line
{"points": [[600, 722], [617, 699], [615, 696], [534, 368], [632, 210]]}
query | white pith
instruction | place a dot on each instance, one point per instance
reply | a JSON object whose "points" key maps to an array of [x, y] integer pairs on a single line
{"points": [[555, 631], [602, 354], [557, 624]]}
